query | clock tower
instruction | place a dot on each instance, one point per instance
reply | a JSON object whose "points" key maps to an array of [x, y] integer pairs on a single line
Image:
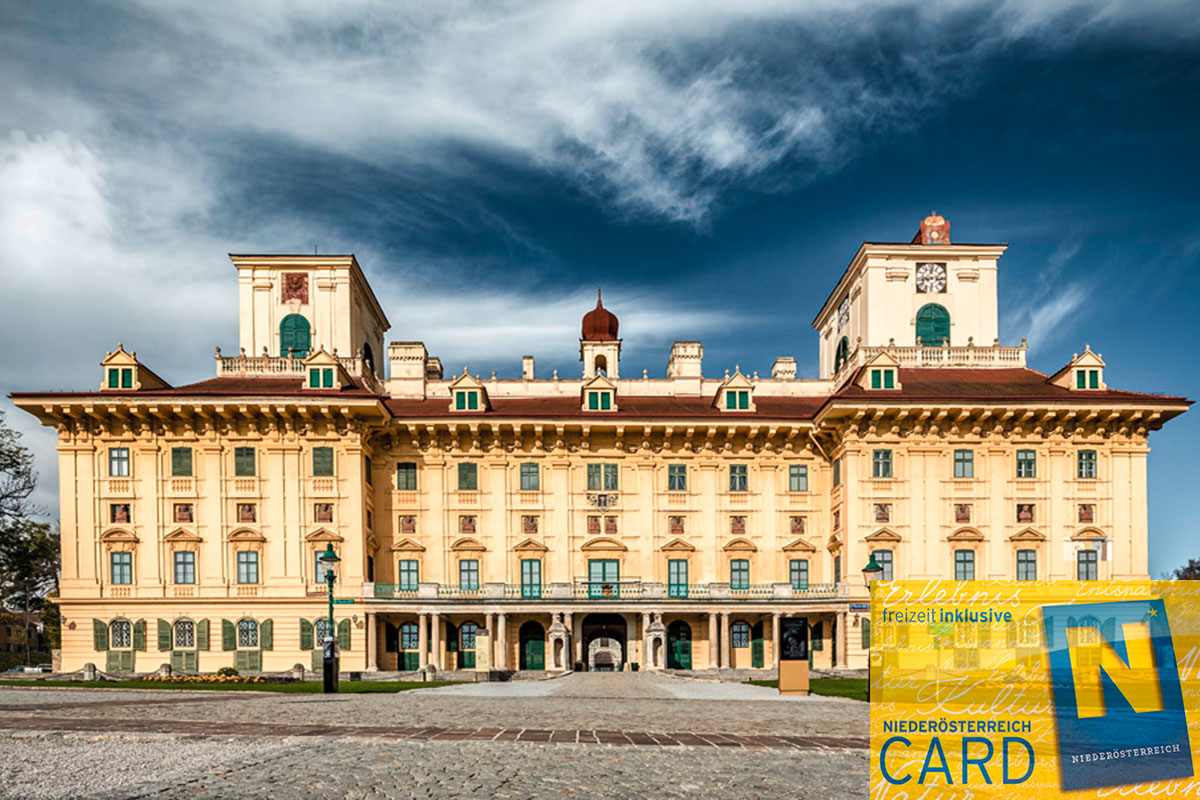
{"points": [[926, 292]]}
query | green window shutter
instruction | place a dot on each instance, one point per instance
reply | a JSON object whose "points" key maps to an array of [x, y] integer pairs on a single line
{"points": [[933, 325], [318, 660], [1080, 379], [112, 379], [889, 379], [239, 660], [99, 635], [139, 635], [177, 661], [605, 401], [343, 634], [181, 462], [593, 401], [113, 662], [127, 378], [265, 631], [202, 635], [1094, 379], [730, 402], [164, 635], [876, 379], [328, 379], [254, 660], [306, 635], [314, 379], [228, 635]]}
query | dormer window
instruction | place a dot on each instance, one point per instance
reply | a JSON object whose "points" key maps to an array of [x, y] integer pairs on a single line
{"points": [[120, 377], [883, 378], [599, 400], [466, 400], [1087, 379], [737, 400], [320, 378], [735, 394]]}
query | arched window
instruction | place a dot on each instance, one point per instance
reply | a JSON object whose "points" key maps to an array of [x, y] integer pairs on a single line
{"points": [[295, 337], [368, 356], [933, 325], [601, 366], [323, 631], [185, 634], [739, 635], [409, 636], [467, 635], [247, 630], [122, 635], [843, 353]]}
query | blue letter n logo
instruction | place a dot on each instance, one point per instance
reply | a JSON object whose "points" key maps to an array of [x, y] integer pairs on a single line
{"points": [[1116, 694]]}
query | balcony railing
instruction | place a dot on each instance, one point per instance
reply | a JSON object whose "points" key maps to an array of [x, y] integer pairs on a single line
{"points": [[583, 589], [390, 591], [242, 366], [938, 356], [607, 590], [460, 592]]}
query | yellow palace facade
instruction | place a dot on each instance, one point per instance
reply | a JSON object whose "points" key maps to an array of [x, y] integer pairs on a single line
{"points": [[597, 521]]}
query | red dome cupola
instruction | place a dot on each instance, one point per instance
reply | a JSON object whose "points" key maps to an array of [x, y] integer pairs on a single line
{"points": [[599, 324]]}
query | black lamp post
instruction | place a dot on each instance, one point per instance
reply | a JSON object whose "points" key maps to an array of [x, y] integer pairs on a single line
{"points": [[330, 663], [870, 572]]}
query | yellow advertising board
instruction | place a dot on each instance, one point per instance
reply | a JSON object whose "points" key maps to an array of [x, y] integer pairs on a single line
{"points": [[1034, 689]]}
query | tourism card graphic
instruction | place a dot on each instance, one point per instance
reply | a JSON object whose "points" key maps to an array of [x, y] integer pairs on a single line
{"points": [[988, 689]]}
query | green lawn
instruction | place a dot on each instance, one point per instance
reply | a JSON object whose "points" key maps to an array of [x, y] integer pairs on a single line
{"points": [[298, 687], [854, 688]]}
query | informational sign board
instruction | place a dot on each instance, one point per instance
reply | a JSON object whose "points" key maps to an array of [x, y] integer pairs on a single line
{"points": [[793, 655], [1035, 689]]}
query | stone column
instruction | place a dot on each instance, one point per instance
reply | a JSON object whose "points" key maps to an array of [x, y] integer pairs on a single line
{"points": [[435, 640], [488, 622], [501, 641], [647, 657], [372, 644], [726, 652], [713, 661], [576, 640], [842, 639], [422, 640], [775, 639]]}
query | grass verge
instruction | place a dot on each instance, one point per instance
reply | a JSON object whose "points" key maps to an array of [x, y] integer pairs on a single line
{"points": [[853, 688], [305, 687]]}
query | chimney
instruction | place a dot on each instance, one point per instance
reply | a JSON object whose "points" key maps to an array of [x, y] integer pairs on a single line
{"points": [[784, 369], [527, 368], [408, 373], [684, 367]]}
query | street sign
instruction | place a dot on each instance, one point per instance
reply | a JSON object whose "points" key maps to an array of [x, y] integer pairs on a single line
{"points": [[337, 601]]}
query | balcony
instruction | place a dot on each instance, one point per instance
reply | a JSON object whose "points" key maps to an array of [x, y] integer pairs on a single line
{"points": [[244, 366], [392, 591], [583, 590], [970, 356]]}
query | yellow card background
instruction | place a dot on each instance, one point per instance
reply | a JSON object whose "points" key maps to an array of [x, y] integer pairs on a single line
{"points": [[1000, 672]]}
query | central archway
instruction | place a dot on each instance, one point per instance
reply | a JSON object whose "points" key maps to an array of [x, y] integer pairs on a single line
{"points": [[533, 646], [605, 642], [679, 645]]}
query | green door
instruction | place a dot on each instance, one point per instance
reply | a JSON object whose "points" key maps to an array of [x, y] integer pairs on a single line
{"points": [[756, 646], [294, 336], [412, 660], [533, 646], [604, 575], [679, 645], [933, 325], [466, 645]]}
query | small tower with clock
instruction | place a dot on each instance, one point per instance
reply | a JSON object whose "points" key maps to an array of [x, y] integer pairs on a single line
{"points": [[926, 292]]}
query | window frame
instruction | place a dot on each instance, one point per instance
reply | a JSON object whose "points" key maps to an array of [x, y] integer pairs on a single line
{"points": [[885, 559], [323, 462], [468, 476], [408, 574], [837, 472], [177, 454], [127, 628], [739, 634], [739, 478], [1090, 564], [1025, 558], [530, 476], [468, 574], [961, 564], [798, 574], [881, 462], [883, 378], [1087, 461], [183, 563], [402, 469], [1026, 463], [240, 456], [119, 462], [466, 400], [600, 400], [177, 628], [677, 568], [677, 477], [964, 464], [797, 477], [247, 565], [531, 578], [246, 627], [125, 571]]}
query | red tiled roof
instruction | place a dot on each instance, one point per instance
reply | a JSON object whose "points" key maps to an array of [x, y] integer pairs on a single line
{"points": [[795, 408], [223, 387], [965, 383]]}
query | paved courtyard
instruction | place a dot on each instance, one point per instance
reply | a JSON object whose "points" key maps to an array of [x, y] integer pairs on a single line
{"points": [[587, 735]]}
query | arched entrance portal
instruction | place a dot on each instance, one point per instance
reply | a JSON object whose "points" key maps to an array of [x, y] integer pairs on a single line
{"points": [[604, 639], [533, 646], [679, 645]]}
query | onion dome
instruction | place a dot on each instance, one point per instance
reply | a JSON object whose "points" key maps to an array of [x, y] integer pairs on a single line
{"points": [[599, 324]]}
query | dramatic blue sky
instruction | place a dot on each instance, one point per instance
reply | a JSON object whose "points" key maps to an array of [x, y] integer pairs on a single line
{"points": [[714, 165]]}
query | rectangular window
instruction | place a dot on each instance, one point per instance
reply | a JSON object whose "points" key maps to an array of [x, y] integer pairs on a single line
{"points": [[114, 379], [468, 574], [677, 477], [739, 573], [798, 571], [1027, 565], [185, 567], [602, 477], [181, 462], [529, 478], [314, 379], [247, 566], [120, 568], [677, 577], [406, 477], [531, 577], [327, 378], [243, 462], [964, 463], [1086, 465], [837, 472], [738, 479], [884, 559], [1026, 464], [837, 569], [408, 575], [604, 577], [319, 567], [367, 475], [1080, 379], [322, 461], [468, 477], [964, 565], [118, 462], [797, 478], [460, 401], [127, 378], [881, 464], [883, 379], [1087, 565]]}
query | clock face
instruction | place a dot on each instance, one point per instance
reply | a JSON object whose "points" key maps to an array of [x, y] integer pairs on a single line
{"points": [[931, 278], [843, 313]]}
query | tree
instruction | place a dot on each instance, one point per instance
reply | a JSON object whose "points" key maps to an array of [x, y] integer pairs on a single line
{"points": [[17, 478], [1188, 572], [29, 557]]}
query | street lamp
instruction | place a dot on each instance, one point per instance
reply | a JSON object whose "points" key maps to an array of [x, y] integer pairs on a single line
{"points": [[330, 559], [870, 572]]}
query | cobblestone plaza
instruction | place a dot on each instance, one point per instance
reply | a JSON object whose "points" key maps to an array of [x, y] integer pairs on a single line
{"points": [[585, 735]]}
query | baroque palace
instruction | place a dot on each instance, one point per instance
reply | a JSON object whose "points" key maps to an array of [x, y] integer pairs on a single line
{"points": [[597, 521]]}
